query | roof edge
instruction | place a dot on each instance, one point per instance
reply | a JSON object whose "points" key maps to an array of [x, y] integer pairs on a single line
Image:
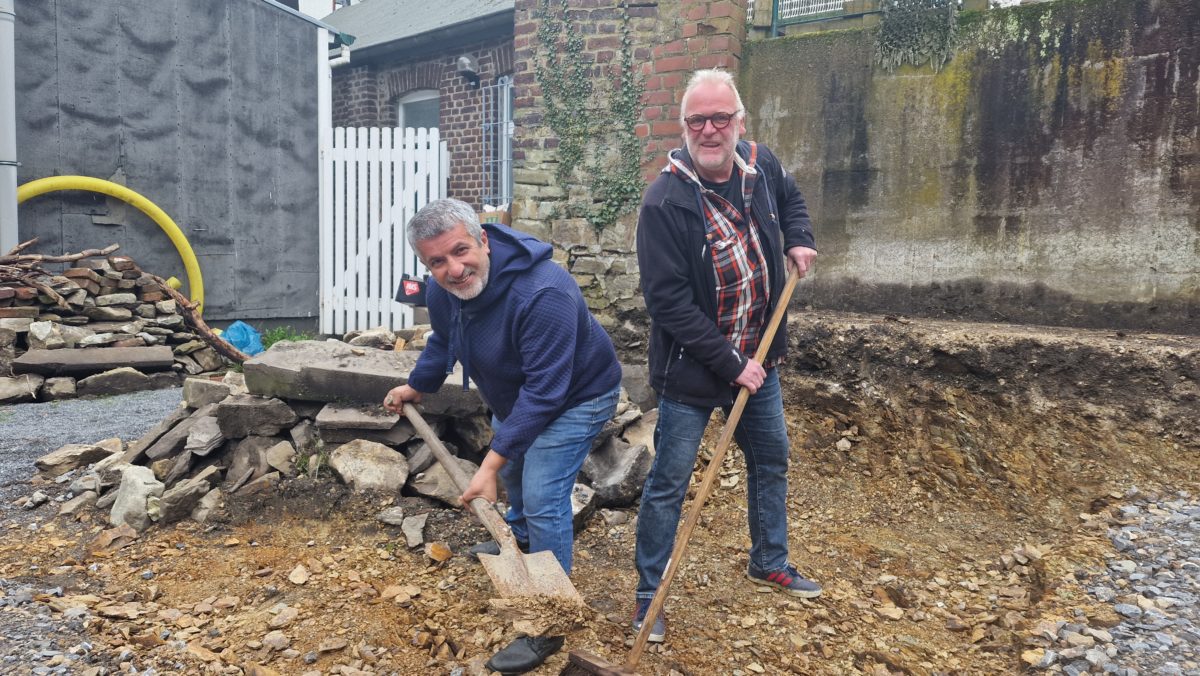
{"points": [[339, 37], [472, 30]]}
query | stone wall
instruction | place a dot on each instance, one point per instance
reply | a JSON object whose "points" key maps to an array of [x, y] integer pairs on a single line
{"points": [[365, 93], [1050, 173]]}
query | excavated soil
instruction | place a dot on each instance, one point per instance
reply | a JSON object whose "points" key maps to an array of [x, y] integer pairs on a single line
{"points": [[948, 481]]}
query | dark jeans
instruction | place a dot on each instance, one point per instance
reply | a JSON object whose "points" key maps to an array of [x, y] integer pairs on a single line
{"points": [[762, 436]]}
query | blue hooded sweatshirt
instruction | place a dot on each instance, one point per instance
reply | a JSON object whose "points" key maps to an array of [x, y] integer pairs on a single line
{"points": [[528, 341]]}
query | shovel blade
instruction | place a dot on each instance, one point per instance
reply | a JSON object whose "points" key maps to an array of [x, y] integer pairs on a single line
{"points": [[539, 574]]}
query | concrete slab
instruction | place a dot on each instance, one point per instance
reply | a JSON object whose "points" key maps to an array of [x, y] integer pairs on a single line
{"points": [[334, 371], [93, 360]]}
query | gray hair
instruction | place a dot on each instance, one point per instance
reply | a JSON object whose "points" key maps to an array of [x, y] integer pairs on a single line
{"points": [[710, 76], [441, 216]]}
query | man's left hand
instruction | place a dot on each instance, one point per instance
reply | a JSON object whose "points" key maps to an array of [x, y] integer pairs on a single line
{"points": [[801, 258], [483, 484]]}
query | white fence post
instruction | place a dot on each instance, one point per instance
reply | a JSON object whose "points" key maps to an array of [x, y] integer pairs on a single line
{"points": [[378, 178]]}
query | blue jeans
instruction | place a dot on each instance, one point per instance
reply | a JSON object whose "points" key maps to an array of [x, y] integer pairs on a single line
{"points": [[539, 483], [762, 436]]}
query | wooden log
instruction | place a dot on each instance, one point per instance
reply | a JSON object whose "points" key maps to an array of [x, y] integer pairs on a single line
{"points": [[194, 320]]}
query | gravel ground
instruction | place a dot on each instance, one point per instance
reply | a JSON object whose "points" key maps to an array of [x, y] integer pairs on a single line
{"points": [[29, 431], [33, 640], [1152, 583]]}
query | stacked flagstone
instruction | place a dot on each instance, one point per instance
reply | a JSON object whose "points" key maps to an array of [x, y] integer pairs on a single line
{"points": [[305, 406], [118, 332]]}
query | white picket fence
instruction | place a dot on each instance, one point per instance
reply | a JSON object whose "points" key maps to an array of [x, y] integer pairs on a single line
{"points": [[374, 180]]}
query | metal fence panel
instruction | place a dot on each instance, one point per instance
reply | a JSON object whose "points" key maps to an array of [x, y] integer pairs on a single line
{"points": [[796, 11]]}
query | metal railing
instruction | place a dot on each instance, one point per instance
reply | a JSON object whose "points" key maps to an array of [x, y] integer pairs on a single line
{"points": [[796, 11], [799, 11]]}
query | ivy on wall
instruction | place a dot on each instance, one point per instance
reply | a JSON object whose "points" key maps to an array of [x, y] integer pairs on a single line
{"points": [[916, 32], [598, 148]]}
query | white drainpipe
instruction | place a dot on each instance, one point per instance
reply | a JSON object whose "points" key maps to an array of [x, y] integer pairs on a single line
{"points": [[8, 128]]}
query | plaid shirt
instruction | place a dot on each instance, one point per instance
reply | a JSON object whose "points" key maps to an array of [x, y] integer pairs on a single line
{"points": [[737, 257]]}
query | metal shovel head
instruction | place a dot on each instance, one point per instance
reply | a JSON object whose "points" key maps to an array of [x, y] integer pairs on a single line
{"points": [[539, 574]]}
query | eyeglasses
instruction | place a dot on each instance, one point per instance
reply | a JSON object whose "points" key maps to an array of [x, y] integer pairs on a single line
{"points": [[719, 120]]}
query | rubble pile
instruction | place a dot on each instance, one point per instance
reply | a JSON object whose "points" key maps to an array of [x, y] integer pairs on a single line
{"points": [[306, 408], [101, 326]]}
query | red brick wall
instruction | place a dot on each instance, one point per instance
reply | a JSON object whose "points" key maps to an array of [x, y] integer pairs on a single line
{"points": [[710, 36], [366, 94]]}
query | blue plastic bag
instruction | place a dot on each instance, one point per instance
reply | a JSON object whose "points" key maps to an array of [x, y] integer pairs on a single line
{"points": [[244, 337]]}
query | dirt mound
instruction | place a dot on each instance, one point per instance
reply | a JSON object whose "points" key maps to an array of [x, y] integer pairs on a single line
{"points": [[947, 481]]}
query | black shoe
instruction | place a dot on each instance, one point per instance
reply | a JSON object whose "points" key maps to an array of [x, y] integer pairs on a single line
{"points": [[524, 654], [492, 547]]}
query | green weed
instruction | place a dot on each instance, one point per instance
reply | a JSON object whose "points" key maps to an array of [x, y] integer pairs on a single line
{"points": [[272, 336]]}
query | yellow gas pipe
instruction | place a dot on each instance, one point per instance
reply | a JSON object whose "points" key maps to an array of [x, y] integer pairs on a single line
{"points": [[55, 183]]}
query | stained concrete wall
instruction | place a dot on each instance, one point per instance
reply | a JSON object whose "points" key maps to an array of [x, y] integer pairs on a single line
{"points": [[209, 109], [1050, 173]]}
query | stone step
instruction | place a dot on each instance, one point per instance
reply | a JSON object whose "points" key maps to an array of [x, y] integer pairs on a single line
{"points": [[93, 360]]}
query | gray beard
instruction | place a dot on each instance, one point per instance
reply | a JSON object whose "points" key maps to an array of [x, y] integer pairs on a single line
{"points": [[472, 293]]}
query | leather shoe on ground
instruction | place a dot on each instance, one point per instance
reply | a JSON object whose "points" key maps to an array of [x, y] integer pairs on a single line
{"points": [[524, 654], [492, 547]]}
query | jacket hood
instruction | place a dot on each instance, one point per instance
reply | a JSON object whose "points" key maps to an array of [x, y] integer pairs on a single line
{"points": [[512, 252]]}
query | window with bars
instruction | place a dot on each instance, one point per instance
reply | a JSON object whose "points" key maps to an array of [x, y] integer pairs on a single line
{"points": [[497, 141]]}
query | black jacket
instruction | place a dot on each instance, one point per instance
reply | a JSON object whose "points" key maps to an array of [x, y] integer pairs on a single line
{"points": [[690, 359]]}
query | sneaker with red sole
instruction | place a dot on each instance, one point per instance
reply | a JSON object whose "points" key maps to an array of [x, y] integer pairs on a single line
{"points": [[787, 579]]}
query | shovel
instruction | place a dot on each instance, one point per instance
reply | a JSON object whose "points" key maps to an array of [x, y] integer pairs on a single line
{"points": [[513, 573], [588, 663]]}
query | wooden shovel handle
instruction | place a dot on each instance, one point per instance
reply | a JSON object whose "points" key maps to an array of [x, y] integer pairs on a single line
{"points": [[486, 511], [710, 477]]}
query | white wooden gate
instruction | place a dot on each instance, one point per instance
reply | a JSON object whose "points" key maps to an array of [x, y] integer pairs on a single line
{"points": [[374, 180]]}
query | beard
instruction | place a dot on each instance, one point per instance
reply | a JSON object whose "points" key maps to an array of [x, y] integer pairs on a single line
{"points": [[710, 159], [479, 280]]}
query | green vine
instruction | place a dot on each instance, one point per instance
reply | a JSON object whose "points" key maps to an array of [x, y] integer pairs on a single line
{"points": [[916, 31], [598, 148]]}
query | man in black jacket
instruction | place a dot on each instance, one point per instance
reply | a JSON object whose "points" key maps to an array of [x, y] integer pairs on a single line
{"points": [[716, 232]]}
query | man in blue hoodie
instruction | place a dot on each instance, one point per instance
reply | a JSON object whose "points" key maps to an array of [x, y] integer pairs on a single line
{"points": [[518, 324]]}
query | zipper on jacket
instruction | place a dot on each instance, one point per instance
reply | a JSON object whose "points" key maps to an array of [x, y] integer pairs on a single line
{"points": [[667, 366]]}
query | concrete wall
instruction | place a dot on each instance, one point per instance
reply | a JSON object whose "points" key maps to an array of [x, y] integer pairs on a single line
{"points": [[1050, 173], [209, 109]]}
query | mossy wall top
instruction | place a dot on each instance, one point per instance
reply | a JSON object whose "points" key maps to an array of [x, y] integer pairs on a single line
{"points": [[1049, 173]]}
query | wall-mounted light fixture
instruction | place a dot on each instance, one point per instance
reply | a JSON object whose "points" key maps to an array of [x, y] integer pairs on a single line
{"points": [[469, 69]]}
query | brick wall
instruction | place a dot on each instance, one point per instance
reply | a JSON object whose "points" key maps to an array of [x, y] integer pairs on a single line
{"points": [[365, 94], [355, 97], [710, 35]]}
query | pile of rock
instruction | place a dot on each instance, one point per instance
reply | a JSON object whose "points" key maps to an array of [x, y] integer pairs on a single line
{"points": [[101, 327], [305, 405]]}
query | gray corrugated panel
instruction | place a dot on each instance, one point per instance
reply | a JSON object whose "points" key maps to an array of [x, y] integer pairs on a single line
{"points": [[209, 110], [378, 22], [149, 41], [207, 213]]}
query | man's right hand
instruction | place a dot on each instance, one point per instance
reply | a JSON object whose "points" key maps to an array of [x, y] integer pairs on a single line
{"points": [[752, 376], [399, 396]]}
